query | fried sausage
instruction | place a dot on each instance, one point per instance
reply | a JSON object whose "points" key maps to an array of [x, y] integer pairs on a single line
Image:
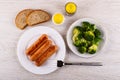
{"points": [[36, 44], [46, 55], [41, 50], [43, 42]]}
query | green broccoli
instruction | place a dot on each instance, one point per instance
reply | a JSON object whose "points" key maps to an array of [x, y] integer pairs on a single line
{"points": [[80, 36], [92, 49], [97, 40], [85, 25], [77, 34], [92, 27], [82, 49], [97, 33], [89, 43], [81, 42], [80, 28], [86, 37], [88, 27], [74, 38], [77, 43], [77, 30], [89, 35]]}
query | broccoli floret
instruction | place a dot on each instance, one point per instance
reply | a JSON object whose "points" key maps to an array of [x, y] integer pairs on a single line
{"points": [[89, 35], [81, 42], [80, 36], [97, 40], [86, 38], [77, 43], [89, 43], [77, 33], [76, 37], [82, 49], [97, 33], [92, 27], [88, 27], [80, 28], [92, 49], [85, 25], [77, 30]]}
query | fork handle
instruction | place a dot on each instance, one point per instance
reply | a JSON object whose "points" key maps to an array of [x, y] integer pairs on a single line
{"points": [[85, 63]]}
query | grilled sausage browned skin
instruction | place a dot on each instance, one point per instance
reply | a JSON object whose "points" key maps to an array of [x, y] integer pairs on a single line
{"points": [[41, 50], [38, 43], [51, 50]]}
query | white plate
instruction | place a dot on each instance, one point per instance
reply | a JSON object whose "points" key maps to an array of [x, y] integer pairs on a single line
{"points": [[28, 38], [69, 37]]}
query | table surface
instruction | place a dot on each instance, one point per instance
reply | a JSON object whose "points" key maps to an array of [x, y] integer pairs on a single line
{"points": [[107, 12]]}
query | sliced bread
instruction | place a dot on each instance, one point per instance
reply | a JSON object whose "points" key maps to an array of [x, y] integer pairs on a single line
{"points": [[20, 20], [37, 16]]}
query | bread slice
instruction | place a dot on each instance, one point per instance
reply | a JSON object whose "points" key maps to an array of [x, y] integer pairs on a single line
{"points": [[37, 16], [21, 17]]}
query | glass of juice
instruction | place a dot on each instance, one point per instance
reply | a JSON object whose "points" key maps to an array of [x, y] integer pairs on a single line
{"points": [[70, 8], [58, 18]]}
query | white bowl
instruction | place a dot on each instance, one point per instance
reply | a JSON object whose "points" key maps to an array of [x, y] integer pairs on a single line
{"points": [[70, 42]]}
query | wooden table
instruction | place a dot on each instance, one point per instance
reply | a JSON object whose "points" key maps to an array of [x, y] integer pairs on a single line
{"points": [[107, 12]]}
